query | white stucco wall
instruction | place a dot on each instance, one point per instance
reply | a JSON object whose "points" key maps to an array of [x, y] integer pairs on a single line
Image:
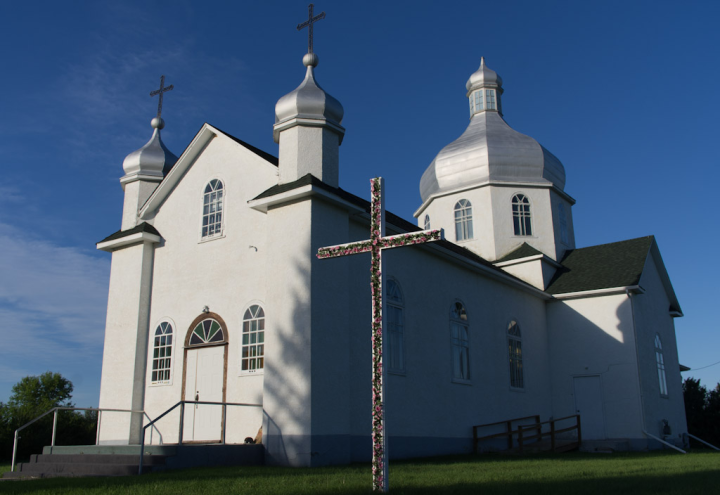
{"points": [[652, 318], [595, 337]]}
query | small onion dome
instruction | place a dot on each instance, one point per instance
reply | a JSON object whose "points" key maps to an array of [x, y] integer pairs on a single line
{"points": [[484, 77], [153, 160], [490, 151], [308, 105]]}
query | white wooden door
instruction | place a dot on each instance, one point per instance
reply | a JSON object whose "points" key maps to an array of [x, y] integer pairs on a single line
{"points": [[589, 405], [204, 378]]}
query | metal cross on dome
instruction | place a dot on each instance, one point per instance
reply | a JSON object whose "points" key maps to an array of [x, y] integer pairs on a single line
{"points": [[375, 246], [311, 20], [160, 92]]}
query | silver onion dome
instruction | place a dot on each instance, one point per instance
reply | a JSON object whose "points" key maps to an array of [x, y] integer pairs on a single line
{"points": [[153, 159], [308, 104], [490, 151]]}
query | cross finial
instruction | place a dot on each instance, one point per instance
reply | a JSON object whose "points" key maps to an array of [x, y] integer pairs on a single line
{"points": [[160, 92], [311, 20]]}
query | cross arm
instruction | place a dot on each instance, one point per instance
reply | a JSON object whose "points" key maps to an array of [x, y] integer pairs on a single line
{"points": [[345, 249], [158, 91], [310, 21], [411, 238]]}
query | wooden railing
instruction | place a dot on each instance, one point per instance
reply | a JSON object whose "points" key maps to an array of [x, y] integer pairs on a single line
{"points": [[522, 430]]}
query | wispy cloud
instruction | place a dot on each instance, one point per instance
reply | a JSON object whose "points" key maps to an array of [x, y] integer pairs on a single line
{"points": [[52, 305]]}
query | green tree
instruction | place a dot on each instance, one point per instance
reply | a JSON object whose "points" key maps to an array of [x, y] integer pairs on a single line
{"points": [[34, 395]]}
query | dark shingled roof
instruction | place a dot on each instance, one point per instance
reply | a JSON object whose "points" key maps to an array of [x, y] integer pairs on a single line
{"points": [[523, 251], [258, 152], [619, 264], [391, 218], [143, 227]]}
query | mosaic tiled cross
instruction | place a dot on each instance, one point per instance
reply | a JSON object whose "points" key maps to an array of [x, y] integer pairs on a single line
{"points": [[377, 243]]}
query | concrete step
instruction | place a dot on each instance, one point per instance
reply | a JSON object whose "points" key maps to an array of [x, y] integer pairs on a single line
{"points": [[148, 460], [51, 470], [111, 449]]}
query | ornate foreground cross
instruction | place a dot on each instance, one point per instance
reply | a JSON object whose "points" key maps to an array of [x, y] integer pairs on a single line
{"points": [[311, 20], [160, 92], [375, 245]]}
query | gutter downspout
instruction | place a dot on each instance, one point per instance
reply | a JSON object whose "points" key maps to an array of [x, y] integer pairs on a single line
{"points": [[637, 362]]}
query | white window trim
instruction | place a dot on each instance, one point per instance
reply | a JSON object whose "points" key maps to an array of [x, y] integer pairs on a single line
{"points": [[401, 306], [255, 372], [661, 366], [531, 235], [468, 220], [522, 359], [223, 223], [151, 353], [466, 323]]}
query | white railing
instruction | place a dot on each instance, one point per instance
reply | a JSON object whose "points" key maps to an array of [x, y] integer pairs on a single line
{"points": [[55, 410], [702, 441], [664, 442]]}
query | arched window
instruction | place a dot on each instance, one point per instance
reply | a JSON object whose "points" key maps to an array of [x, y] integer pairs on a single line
{"points": [[660, 366], [396, 326], [207, 331], [563, 224], [460, 342], [463, 220], [427, 222], [522, 221], [162, 354], [515, 354], [212, 209], [252, 358]]}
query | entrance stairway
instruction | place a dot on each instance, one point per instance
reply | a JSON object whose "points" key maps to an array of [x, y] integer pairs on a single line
{"points": [[123, 460]]}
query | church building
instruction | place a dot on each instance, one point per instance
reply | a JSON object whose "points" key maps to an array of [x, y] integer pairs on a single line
{"points": [[217, 295]]}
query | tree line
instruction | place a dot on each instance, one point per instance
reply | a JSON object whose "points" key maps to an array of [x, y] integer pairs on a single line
{"points": [[33, 396], [702, 409]]}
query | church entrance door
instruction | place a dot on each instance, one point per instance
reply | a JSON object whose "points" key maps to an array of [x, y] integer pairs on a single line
{"points": [[204, 379], [589, 405]]}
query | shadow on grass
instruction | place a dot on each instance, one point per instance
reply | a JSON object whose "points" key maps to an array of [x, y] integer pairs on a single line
{"points": [[651, 473]]}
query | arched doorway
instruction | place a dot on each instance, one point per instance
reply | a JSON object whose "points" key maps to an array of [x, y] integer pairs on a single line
{"points": [[205, 378]]}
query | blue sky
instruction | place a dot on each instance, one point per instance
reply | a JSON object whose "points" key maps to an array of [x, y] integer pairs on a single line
{"points": [[624, 93]]}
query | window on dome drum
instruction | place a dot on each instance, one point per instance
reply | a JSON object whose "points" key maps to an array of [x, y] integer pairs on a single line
{"points": [[515, 354], [522, 221], [427, 222], [206, 332], [490, 99], [253, 341], [463, 220], [660, 366], [563, 225], [212, 209], [162, 354], [396, 327], [460, 342]]}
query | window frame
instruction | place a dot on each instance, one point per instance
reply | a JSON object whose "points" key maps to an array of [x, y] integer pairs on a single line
{"points": [[173, 354], [464, 323], [466, 219], [260, 334], [400, 306], [426, 222], [223, 204], [523, 226], [518, 371], [660, 366]]}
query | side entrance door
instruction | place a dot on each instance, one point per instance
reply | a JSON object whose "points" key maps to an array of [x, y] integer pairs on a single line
{"points": [[204, 382], [589, 405]]}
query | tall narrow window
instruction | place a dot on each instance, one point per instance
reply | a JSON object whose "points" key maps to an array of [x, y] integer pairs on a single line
{"points": [[460, 342], [563, 225], [253, 341], [162, 354], [463, 220], [490, 99], [212, 209], [396, 327], [660, 366], [515, 354], [522, 221], [427, 222]]}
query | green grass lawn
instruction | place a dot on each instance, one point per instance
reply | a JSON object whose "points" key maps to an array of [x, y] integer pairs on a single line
{"points": [[573, 473]]}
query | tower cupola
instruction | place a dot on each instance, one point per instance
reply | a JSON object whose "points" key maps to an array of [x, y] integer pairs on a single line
{"points": [[151, 162], [484, 89]]}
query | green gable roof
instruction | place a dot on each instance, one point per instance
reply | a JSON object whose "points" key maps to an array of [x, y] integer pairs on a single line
{"points": [[619, 264], [523, 251]]}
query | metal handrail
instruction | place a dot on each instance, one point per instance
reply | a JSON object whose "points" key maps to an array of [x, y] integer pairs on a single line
{"points": [[703, 441], [55, 411], [182, 418], [664, 442]]}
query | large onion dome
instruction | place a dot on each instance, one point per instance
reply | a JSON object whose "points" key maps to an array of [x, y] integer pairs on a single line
{"points": [[308, 105], [152, 160], [489, 151]]}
